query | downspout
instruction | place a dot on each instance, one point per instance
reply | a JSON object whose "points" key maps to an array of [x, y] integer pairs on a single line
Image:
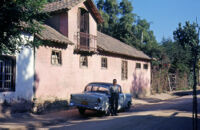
{"points": [[34, 108], [34, 80]]}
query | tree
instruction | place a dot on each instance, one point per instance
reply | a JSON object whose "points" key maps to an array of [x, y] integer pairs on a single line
{"points": [[146, 39], [17, 16], [180, 57], [109, 12], [100, 4], [188, 37], [125, 25]]}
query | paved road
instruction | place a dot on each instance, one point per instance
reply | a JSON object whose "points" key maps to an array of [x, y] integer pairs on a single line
{"points": [[174, 114]]}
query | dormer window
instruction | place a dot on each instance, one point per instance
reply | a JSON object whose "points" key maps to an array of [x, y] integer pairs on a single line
{"points": [[85, 41], [83, 20], [84, 27]]}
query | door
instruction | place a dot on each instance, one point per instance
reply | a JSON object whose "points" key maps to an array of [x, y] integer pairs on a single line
{"points": [[84, 28]]}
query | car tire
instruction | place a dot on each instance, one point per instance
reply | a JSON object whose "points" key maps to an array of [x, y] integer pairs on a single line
{"points": [[128, 106], [81, 111], [107, 112]]}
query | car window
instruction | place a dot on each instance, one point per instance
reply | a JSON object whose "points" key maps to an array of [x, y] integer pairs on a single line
{"points": [[88, 89], [103, 90], [95, 88]]}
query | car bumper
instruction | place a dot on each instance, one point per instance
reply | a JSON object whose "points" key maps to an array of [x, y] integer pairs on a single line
{"points": [[97, 108]]}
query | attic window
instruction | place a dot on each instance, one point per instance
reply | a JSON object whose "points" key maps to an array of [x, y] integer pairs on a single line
{"points": [[104, 63], [56, 58], [83, 61], [145, 66], [124, 72], [138, 65]]}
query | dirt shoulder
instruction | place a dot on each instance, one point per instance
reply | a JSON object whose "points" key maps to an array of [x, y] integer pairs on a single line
{"points": [[159, 98]]}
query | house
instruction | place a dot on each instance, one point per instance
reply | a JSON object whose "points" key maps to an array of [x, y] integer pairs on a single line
{"points": [[74, 55]]}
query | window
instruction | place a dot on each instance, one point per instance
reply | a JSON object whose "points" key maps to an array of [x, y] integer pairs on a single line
{"points": [[83, 61], [56, 58], [88, 89], [124, 73], [145, 66], [138, 65], [104, 63], [7, 73]]}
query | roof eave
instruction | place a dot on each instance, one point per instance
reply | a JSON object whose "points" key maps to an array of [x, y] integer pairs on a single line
{"points": [[55, 41], [95, 11], [142, 58]]}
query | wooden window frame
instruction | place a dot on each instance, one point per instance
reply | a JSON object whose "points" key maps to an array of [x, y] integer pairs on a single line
{"points": [[145, 66], [124, 70], [138, 66], [81, 62], [12, 73], [104, 65], [59, 57]]}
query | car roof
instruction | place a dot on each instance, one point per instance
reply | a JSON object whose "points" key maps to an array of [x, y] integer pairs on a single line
{"points": [[102, 84]]}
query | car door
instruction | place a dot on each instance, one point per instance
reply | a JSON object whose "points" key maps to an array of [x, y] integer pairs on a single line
{"points": [[121, 99]]}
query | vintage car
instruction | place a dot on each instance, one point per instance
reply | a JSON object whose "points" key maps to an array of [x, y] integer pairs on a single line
{"points": [[96, 97]]}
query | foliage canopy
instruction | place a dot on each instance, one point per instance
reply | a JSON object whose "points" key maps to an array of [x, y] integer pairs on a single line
{"points": [[17, 16]]}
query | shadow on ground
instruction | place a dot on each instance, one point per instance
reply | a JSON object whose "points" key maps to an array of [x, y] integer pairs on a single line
{"points": [[185, 93], [151, 100], [148, 122]]}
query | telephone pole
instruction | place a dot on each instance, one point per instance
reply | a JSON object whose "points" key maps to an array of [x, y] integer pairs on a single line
{"points": [[195, 52]]}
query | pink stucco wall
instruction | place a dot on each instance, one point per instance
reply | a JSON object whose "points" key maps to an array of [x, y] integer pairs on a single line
{"points": [[58, 82]]}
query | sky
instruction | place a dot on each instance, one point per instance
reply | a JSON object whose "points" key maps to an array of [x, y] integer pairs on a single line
{"points": [[164, 15]]}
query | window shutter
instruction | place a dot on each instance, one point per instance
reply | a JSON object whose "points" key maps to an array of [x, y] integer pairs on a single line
{"points": [[78, 19], [86, 21]]}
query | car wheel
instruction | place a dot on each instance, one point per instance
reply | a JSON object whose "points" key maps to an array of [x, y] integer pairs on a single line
{"points": [[128, 106], [81, 111], [107, 112]]}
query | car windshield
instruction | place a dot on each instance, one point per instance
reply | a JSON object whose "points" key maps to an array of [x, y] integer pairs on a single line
{"points": [[96, 88]]}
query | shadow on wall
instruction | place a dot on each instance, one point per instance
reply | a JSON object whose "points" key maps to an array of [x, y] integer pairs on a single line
{"points": [[139, 86]]}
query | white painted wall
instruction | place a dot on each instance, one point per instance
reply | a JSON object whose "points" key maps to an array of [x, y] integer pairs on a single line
{"points": [[24, 75]]}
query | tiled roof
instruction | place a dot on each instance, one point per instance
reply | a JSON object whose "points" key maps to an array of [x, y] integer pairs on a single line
{"points": [[68, 4], [60, 5], [50, 34], [110, 44]]}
